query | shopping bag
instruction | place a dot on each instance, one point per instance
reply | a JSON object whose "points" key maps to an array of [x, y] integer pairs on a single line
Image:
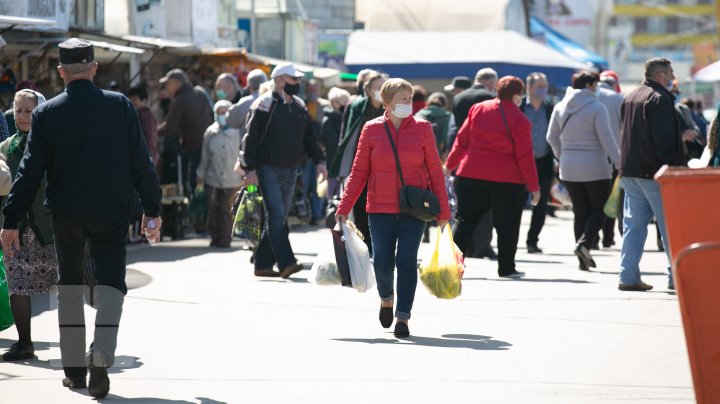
{"points": [[612, 205], [341, 257], [324, 270], [361, 272], [249, 217], [442, 270], [198, 209], [6, 317]]}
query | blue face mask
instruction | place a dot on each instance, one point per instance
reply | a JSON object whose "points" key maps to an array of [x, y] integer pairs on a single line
{"points": [[221, 94], [541, 93], [221, 120]]}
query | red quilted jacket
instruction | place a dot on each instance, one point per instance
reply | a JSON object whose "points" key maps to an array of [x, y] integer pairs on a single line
{"points": [[374, 164]]}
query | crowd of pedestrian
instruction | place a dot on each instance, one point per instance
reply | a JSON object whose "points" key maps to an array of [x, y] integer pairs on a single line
{"points": [[82, 162]]}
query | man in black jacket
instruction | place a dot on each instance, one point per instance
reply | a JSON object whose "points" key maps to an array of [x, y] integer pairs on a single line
{"points": [[650, 139], [538, 108], [89, 145], [483, 90], [280, 133]]}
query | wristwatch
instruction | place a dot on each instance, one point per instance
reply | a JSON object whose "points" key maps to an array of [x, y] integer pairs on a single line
{"points": [[151, 224]]}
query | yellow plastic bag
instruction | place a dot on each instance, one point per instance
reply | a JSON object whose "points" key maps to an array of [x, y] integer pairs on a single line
{"points": [[613, 203], [441, 271]]}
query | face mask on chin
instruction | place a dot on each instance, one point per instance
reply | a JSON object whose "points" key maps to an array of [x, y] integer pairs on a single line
{"points": [[402, 111]]}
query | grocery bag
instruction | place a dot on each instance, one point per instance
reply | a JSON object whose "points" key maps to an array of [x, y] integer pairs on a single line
{"points": [[612, 205], [324, 270], [442, 270], [6, 317], [198, 208], [361, 272], [249, 217]]}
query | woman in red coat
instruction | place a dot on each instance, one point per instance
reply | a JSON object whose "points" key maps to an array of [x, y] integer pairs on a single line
{"points": [[494, 165], [374, 164]]}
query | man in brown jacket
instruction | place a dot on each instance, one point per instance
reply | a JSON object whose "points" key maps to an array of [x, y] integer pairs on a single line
{"points": [[189, 115]]}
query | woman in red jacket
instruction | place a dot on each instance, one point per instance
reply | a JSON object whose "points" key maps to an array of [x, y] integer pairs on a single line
{"points": [[374, 164], [494, 165]]}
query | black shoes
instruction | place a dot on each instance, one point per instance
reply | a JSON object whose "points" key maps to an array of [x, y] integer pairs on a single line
{"points": [[532, 248], [585, 256], [514, 275], [19, 351], [99, 382], [294, 268], [268, 273], [386, 316], [490, 254], [401, 330], [583, 267], [74, 382], [638, 287]]}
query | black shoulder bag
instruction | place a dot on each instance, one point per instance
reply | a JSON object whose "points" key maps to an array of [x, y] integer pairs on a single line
{"points": [[416, 202]]}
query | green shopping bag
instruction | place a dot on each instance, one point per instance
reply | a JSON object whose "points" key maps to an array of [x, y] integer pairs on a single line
{"points": [[613, 203], [6, 317]]}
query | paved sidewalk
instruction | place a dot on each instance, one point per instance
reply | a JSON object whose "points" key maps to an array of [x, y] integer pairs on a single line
{"points": [[199, 328]]}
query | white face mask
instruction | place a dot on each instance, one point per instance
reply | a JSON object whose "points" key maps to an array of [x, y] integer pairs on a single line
{"points": [[402, 110], [221, 120], [377, 96]]}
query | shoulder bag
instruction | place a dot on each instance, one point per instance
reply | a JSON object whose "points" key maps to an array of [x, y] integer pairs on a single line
{"points": [[416, 202]]}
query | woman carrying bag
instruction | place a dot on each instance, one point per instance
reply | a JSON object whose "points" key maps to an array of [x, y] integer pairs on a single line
{"points": [[396, 236]]}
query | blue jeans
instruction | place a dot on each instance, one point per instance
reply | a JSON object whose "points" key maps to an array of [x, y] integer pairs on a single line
{"points": [[276, 185], [405, 232], [642, 201]]}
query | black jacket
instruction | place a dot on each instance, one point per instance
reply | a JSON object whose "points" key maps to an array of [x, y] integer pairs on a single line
{"points": [[89, 144], [466, 99], [330, 132], [279, 134], [650, 132]]}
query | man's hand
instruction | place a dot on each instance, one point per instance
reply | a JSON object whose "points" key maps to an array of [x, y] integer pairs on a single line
{"points": [[238, 168], [251, 177], [153, 235], [321, 171], [689, 135], [535, 198], [10, 239]]}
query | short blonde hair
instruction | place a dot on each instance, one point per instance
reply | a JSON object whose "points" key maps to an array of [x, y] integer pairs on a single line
{"points": [[394, 86]]}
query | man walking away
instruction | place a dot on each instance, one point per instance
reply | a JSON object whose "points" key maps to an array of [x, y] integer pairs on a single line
{"points": [[88, 144], [650, 139]]}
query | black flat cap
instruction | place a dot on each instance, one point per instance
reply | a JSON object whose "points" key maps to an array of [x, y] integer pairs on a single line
{"points": [[76, 50], [462, 82]]}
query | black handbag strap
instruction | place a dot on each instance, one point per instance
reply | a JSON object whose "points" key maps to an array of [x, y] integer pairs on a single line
{"points": [[394, 149], [507, 126]]}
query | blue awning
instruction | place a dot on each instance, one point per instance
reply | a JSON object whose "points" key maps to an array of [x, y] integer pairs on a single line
{"points": [[540, 30]]}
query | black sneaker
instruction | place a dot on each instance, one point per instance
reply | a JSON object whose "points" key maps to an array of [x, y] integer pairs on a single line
{"points": [[532, 248], [401, 330], [386, 316], [99, 382], [19, 351], [583, 267], [514, 275], [638, 287], [585, 256], [74, 382]]}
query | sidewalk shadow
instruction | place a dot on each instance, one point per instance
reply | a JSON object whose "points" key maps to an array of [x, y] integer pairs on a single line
{"points": [[151, 400], [38, 345], [539, 262], [171, 253], [618, 272], [528, 280], [122, 363], [468, 341]]}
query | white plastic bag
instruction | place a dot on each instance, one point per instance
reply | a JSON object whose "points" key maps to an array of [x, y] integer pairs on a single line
{"points": [[324, 270], [361, 272]]}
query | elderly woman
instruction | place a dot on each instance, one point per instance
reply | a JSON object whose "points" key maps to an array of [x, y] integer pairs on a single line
{"points": [[493, 156], [395, 236], [33, 270], [221, 145], [330, 129], [580, 136]]}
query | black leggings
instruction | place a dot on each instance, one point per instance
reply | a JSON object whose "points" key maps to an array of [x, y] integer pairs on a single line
{"points": [[588, 199]]}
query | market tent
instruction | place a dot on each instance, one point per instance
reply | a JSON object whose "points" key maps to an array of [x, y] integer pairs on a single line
{"points": [[443, 55], [544, 33], [708, 74]]}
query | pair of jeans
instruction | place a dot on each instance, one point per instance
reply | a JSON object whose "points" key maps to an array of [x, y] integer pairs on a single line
{"points": [[276, 186], [396, 240], [588, 199], [545, 169], [219, 218], [477, 197], [642, 202], [106, 238]]}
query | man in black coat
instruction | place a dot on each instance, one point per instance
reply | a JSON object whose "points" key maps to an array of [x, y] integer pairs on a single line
{"points": [[483, 90], [88, 144]]}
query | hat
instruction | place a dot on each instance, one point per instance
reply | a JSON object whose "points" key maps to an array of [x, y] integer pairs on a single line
{"points": [[612, 75], [76, 50], [174, 74], [286, 68], [459, 82]]}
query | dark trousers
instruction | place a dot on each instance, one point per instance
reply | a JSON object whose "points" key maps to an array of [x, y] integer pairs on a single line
{"points": [[219, 219], [608, 229], [588, 199], [190, 163], [546, 173], [475, 198], [361, 219], [276, 185], [482, 237], [106, 238]]}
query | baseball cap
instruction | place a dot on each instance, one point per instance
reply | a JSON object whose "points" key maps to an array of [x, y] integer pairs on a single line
{"points": [[459, 82], [286, 68], [175, 74]]}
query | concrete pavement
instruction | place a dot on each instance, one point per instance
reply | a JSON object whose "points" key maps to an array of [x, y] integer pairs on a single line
{"points": [[199, 328]]}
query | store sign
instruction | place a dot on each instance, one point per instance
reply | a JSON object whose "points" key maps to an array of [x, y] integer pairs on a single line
{"points": [[56, 10], [573, 18]]}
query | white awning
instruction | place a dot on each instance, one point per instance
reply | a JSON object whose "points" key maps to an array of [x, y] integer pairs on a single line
{"points": [[156, 42], [709, 74], [117, 48], [14, 21]]}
